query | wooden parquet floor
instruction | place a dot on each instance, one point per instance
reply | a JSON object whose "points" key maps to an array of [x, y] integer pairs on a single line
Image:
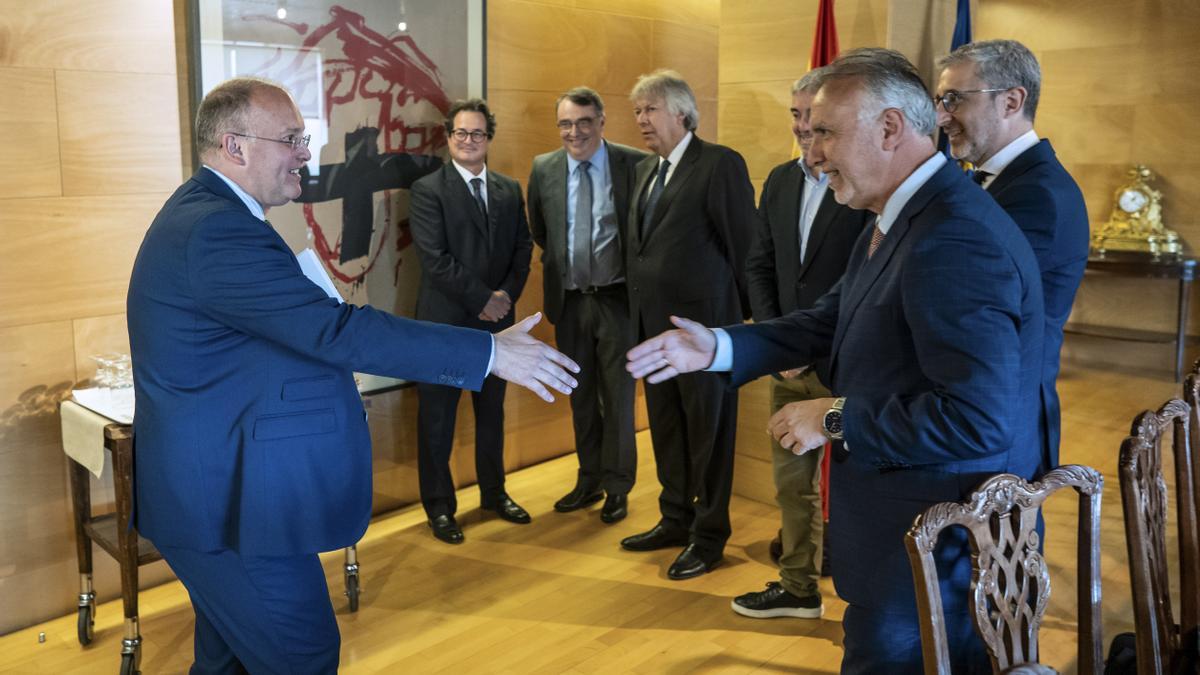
{"points": [[560, 596]]}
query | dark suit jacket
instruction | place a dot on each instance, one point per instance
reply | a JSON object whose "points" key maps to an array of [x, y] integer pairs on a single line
{"points": [[1038, 193], [936, 343], [250, 433], [463, 258], [779, 281], [548, 212], [688, 259]]}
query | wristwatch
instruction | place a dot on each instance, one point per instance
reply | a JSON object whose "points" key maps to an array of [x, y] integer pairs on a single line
{"points": [[832, 423]]}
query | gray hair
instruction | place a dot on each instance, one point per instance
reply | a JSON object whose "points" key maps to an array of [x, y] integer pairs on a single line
{"points": [[582, 96], [890, 80], [227, 109], [1001, 64], [673, 90], [810, 83]]}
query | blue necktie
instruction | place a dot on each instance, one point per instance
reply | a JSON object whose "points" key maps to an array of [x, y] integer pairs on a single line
{"points": [[655, 193]]}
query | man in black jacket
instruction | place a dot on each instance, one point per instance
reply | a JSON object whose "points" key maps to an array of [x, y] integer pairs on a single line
{"points": [[470, 229], [804, 240], [690, 225]]}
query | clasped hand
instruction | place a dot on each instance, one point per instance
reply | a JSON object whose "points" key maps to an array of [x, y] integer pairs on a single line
{"points": [[523, 359], [498, 306], [800, 426]]}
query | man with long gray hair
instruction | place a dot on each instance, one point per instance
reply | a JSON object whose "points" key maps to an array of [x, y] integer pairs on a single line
{"points": [[934, 338], [690, 225]]}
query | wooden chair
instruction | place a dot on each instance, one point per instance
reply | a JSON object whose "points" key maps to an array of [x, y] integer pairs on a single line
{"points": [[1010, 583], [1163, 646]]}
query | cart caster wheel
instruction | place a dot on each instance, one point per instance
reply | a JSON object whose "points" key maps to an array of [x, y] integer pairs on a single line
{"points": [[352, 591], [86, 625], [128, 667]]}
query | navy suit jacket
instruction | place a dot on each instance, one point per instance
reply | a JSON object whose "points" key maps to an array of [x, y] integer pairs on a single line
{"points": [[250, 433], [1038, 193], [936, 343]]}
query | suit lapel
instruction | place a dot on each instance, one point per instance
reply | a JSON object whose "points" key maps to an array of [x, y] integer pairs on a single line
{"points": [[1022, 163], [788, 220], [678, 178], [554, 189], [497, 195], [870, 269], [820, 228], [644, 171]]}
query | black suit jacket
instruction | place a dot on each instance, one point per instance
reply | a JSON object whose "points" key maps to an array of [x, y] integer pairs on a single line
{"points": [[464, 258], [548, 212], [688, 258], [779, 281]]}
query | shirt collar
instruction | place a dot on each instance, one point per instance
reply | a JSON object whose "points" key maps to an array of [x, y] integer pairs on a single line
{"points": [[815, 178], [599, 159], [908, 188], [1008, 153], [677, 153], [467, 175], [250, 202]]}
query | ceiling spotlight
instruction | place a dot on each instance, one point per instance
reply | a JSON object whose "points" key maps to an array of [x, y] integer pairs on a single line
{"points": [[402, 26], [281, 11]]}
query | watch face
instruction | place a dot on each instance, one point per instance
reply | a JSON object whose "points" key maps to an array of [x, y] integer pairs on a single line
{"points": [[1132, 201], [833, 423]]}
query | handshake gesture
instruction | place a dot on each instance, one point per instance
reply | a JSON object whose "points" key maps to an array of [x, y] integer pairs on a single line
{"points": [[523, 359]]}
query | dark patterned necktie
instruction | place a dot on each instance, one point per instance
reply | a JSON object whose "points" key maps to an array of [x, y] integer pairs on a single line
{"points": [[980, 176], [477, 188], [876, 240], [655, 192]]}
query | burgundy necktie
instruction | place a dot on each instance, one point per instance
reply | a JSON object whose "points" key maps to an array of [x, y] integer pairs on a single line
{"points": [[876, 240]]}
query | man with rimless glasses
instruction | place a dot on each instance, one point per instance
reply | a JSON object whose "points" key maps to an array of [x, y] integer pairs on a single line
{"points": [[469, 226], [252, 447], [579, 198]]}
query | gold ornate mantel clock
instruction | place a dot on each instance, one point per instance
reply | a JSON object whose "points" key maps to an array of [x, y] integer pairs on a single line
{"points": [[1136, 220]]}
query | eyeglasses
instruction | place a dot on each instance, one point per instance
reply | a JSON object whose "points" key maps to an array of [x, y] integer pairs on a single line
{"points": [[293, 142], [476, 136], [952, 99], [583, 124]]}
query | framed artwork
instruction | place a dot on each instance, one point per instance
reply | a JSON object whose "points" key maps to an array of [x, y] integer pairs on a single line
{"points": [[373, 80]]}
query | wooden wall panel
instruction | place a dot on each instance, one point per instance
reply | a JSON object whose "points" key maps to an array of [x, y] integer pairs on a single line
{"points": [[755, 119], [28, 133], [97, 335], [678, 11], [70, 257], [119, 131], [690, 49], [133, 36]]}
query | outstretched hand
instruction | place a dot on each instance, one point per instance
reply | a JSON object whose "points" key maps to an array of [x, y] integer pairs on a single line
{"points": [[688, 348], [523, 359]]}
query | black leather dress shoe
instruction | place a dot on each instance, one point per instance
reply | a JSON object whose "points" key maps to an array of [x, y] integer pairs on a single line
{"points": [[691, 563], [578, 498], [659, 536], [508, 510], [616, 507], [446, 529]]}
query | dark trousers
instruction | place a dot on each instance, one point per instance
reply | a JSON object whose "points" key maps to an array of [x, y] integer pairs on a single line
{"points": [[258, 614], [437, 410], [693, 423], [595, 331], [883, 642]]}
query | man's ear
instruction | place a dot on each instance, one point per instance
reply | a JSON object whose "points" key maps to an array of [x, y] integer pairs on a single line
{"points": [[893, 128], [1014, 101], [233, 149]]}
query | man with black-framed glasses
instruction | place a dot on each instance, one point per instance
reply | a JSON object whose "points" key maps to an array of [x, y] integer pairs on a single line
{"points": [[468, 223], [986, 102], [579, 198]]}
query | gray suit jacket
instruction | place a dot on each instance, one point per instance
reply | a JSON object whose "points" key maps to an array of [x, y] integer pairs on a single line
{"points": [[548, 212]]}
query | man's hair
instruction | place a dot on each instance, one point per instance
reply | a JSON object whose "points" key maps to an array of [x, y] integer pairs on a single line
{"points": [[582, 96], [1001, 64], [227, 109], [471, 105], [808, 84], [673, 90], [889, 80]]}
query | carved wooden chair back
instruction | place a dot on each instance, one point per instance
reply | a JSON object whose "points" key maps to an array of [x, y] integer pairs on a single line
{"points": [[1163, 646], [1010, 582]]}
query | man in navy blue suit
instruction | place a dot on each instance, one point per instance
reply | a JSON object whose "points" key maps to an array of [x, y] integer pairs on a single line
{"points": [[988, 95], [935, 343], [252, 450]]}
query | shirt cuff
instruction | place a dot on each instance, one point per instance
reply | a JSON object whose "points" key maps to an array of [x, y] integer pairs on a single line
{"points": [[723, 360], [492, 357]]}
